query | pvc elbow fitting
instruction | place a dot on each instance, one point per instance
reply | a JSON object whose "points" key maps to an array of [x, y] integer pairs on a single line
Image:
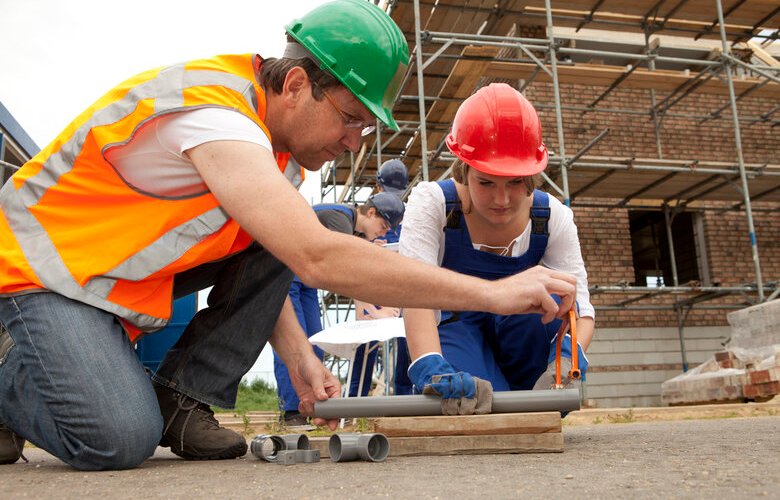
{"points": [[267, 447], [352, 446]]}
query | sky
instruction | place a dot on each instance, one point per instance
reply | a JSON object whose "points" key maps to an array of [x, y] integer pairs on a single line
{"points": [[59, 56]]}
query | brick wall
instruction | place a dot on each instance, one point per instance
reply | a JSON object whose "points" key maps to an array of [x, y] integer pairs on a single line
{"points": [[634, 135], [604, 232]]}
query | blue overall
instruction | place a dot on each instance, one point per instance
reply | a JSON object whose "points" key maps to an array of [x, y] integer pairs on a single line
{"points": [[509, 351], [307, 309], [392, 235]]}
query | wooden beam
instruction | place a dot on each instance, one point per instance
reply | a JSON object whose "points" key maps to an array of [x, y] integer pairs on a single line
{"points": [[461, 425], [603, 75], [550, 442], [761, 54]]}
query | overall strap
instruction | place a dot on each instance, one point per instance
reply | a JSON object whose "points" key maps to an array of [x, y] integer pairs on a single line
{"points": [[451, 203], [540, 231]]}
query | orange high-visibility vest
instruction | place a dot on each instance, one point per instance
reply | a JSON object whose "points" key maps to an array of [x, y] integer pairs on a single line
{"points": [[72, 225]]}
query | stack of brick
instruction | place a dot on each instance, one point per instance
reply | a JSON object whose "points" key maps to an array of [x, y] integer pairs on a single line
{"points": [[719, 379], [735, 375], [764, 381], [756, 326]]}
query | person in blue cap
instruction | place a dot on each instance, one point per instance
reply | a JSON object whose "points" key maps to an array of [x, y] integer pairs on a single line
{"points": [[392, 177], [380, 214]]}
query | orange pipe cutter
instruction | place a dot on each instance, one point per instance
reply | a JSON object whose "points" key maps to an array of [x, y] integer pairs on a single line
{"points": [[569, 322]]}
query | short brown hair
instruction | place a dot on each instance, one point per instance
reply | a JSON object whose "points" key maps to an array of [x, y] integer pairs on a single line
{"points": [[274, 71]]}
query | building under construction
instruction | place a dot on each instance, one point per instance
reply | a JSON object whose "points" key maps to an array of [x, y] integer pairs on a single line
{"points": [[662, 121]]}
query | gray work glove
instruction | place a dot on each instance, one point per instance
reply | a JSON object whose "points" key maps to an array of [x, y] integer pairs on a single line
{"points": [[547, 380], [480, 404]]}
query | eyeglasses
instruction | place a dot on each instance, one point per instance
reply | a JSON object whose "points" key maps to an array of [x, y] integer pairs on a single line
{"points": [[350, 121]]}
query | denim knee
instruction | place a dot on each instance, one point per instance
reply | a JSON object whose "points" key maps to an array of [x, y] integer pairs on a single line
{"points": [[114, 444]]}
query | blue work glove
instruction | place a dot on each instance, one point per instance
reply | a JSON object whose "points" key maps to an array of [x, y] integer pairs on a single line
{"points": [[547, 380], [460, 392]]}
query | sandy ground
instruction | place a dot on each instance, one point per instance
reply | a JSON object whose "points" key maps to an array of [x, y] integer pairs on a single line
{"points": [[713, 458]]}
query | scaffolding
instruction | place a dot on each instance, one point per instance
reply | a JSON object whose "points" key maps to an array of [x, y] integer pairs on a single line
{"points": [[458, 46]]}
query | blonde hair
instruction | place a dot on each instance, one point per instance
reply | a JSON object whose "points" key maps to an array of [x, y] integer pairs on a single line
{"points": [[460, 172]]}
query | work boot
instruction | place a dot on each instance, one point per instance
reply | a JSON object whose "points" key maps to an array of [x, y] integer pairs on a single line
{"points": [[294, 420], [191, 430], [11, 446]]}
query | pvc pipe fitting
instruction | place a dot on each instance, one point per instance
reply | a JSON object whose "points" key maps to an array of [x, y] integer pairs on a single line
{"points": [[296, 442], [307, 456], [267, 447], [347, 447], [286, 457]]}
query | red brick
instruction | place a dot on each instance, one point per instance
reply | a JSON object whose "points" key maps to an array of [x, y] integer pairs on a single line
{"points": [[761, 390], [764, 376]]}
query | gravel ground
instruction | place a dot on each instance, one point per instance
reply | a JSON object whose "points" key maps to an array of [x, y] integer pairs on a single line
{"points": [[719, 458]]}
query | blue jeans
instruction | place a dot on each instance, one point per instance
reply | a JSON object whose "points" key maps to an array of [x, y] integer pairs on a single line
{"points": [[71, 383], [358, 368]]}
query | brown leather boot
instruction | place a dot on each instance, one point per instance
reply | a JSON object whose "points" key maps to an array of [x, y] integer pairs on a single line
{"points": [[11, 446], [191, 430]]}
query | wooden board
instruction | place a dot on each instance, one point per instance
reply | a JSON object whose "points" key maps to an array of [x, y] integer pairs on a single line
{"points": [[464, 425], [599, 75], [548, 442]]}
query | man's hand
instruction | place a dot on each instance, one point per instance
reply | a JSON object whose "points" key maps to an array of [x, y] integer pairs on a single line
{"points": [[547, 380], [313, 382], [531, 292], [460, 392]]}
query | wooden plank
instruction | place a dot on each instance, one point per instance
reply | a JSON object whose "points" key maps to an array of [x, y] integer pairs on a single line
{"points": [[692, 11], [763, 55], [641, 78], [634, 19], [476, 445], [463, 425], [548, 442]]}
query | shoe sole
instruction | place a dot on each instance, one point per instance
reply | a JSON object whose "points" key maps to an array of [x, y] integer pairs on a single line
{"points": [[300, 428], [237, 451]]}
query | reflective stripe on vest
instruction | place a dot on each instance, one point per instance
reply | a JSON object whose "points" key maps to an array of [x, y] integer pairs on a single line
{"points": [[73, 226]]}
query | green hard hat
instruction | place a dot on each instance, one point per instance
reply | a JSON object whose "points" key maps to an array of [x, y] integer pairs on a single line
{"points": [[361, 46]]}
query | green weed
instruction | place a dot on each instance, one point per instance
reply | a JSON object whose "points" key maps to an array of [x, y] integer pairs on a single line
{"points": [[257, 396], [623, 418]]}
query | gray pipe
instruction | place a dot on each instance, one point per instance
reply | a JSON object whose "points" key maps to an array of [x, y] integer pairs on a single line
{"points": [[561, 400], [269, 447], [296, 441], [372, 447]]}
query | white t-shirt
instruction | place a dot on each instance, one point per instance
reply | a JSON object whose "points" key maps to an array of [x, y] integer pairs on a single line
{"points": [[422, 237], [153, 161]]}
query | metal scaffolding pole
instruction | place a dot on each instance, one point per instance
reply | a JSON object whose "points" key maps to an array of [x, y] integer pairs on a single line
{"points": [[558, 111], [738, 144], [653, 109], [420, 90]]}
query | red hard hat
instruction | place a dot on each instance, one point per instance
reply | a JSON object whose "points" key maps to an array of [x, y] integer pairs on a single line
{"points": [[498, 132]]}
